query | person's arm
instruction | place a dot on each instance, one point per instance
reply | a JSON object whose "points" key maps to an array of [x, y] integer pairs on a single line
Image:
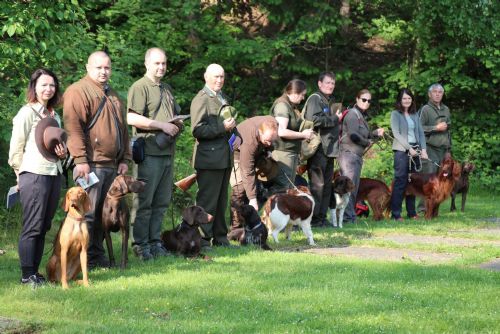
{"points": [[351, 123], [426, 120], [20, 132], [75, 120], [247, 168], [403, 140]]}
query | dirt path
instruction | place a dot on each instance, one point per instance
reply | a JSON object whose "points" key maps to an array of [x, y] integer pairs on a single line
{"points": [[424, 239], [386, 254]]}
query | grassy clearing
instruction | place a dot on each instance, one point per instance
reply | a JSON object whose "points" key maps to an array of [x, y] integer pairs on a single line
{"points": [[246, 290]]}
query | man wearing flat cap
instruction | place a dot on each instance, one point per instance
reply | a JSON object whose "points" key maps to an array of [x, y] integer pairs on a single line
{"points": [[151, 105], [212, 154]]}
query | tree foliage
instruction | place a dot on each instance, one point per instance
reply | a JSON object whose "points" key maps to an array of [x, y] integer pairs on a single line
{"points": [[380, 45]]}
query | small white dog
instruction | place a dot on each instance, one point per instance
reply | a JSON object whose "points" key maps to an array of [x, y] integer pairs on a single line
{"points": [[295, 207], [341, 190]]}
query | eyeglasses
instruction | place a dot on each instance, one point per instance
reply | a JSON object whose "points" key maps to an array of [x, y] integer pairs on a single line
{"points": [[366, 100]]}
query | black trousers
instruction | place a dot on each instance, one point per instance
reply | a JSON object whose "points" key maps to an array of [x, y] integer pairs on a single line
{"points": [[212, 196], [320, 172], [39, 195]]}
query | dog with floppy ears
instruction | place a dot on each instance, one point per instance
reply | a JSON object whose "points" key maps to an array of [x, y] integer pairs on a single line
{"points": [[70, 245], [185, 239], [283, 210], [341, 190], [115, 213], [253, 232]]}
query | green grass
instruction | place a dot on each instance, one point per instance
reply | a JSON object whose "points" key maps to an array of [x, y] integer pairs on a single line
{"points": [[247, 290]]}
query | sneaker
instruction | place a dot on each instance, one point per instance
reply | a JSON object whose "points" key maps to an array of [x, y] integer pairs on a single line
{"points": [[41, 278], [158, 250], [142, 253], [33, 281]]}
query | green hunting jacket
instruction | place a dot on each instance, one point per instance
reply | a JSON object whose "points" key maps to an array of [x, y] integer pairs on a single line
{"points": [[211, 150], [430, 116]]}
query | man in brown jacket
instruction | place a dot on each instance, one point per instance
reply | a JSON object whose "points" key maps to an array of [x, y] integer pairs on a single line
{"points": [[102, 148], [258, 134]]}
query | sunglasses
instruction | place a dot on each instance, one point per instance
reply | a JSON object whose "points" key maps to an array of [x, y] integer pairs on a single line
{"points": [[366, 100]]}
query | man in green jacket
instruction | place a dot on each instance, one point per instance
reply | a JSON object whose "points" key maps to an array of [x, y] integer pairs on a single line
{"points": [[212, 155], [151, 107], [435, 119], [319, 109]]}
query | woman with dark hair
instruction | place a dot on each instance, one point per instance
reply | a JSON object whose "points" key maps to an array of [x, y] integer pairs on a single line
{"points": [[355, 138], [287, 146], [408, 147], [38, 176]]}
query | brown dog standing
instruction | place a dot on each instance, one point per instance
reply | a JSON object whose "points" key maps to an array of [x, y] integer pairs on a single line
{"points": [[70, 246], [115, 214], [462, 185]]}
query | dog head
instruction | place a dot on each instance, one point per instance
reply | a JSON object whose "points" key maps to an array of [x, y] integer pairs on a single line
{"points": [[250, 215], [446, 170], [78, 199], [196, 215], [343, 185], [124, 184], [467, 167], [298, 191]]}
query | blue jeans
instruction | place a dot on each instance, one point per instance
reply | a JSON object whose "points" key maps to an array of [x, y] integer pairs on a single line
{"points": [[401, 170]]}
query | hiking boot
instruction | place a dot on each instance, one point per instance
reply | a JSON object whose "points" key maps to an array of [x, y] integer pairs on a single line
{"points": [[158, 250], [41, 278], [142, 252], [98, 262]]}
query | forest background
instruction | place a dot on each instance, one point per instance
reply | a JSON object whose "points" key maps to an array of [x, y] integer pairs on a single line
{"points": [[379, 45]]}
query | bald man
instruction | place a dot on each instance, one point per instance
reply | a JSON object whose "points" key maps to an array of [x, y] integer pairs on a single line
{"points": [[151, 105], [212, 156], [102, 148]]}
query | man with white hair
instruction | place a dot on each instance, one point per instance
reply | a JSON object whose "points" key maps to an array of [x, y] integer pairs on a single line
{"points": [[98, 140], [151, 105], [212, 155], [436, 120]]}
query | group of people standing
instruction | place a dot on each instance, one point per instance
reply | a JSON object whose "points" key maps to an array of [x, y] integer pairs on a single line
{"points": [[95, 121]]}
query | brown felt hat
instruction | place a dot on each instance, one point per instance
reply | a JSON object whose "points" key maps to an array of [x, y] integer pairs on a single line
{"points": [[266, 169], [48, 135]]}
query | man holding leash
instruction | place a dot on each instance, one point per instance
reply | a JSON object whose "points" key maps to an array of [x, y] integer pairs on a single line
{"points": [[98, 141], [150, 108]]}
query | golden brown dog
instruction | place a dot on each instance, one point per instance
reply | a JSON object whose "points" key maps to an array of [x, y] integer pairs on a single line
{"points": [[70, 245]]}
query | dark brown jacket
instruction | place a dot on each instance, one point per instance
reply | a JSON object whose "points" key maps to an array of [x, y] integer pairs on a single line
{"points": [[107, 143]]}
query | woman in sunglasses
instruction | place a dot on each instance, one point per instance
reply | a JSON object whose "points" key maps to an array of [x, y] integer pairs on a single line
{"points": [[408, 146], [355, 139]]}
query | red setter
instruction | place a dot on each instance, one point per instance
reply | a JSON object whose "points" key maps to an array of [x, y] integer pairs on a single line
{"points": [[377, 194], [435, 188]]}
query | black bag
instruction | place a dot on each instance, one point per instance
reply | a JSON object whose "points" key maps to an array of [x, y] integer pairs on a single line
{"points": [[137, 145]]}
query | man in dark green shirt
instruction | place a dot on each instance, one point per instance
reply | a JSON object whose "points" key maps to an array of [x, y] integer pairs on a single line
{"points": [[151, 105], [436, 120]]}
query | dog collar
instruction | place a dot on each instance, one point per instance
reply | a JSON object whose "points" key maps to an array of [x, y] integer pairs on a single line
{"points": [[256, 226], [78, 219]]}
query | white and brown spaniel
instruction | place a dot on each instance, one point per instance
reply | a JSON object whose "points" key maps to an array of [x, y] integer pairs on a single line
{"points": [[295, 207], [342, 187]]}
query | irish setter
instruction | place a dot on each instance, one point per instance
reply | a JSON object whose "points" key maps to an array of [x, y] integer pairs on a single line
{"points": [[435, 188], [377, 194]]}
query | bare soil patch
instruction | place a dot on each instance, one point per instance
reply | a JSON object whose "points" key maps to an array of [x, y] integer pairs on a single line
{"points": [[411, 239], [386, 254], [493, 265]]}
